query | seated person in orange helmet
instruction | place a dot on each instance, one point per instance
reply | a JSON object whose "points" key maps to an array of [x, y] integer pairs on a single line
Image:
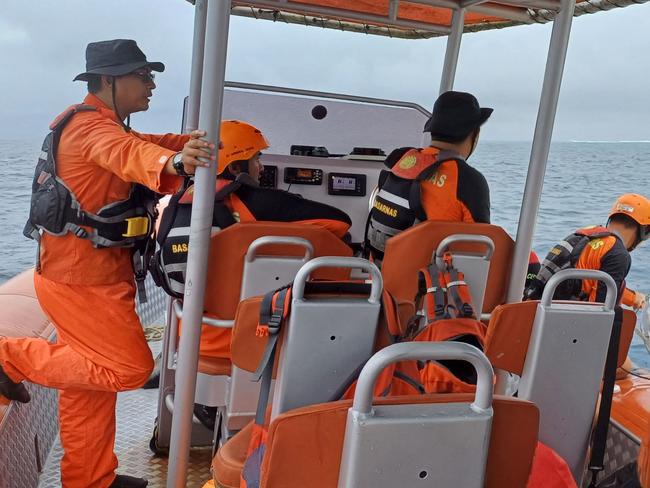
{"points": [[240, 158], [602, 248]]}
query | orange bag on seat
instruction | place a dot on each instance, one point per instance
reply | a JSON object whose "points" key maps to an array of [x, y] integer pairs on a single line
{"points": [[450, 317]]}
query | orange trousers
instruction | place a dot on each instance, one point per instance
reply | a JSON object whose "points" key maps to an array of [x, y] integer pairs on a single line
{"points": [[215, 342], [100, 350]]}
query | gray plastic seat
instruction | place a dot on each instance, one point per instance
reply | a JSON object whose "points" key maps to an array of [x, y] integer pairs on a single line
{"points": [[442, 445], [220, 384], [564, 366], [326, 339]]}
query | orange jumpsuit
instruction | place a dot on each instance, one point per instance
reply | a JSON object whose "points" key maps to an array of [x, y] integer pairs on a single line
{"points": [[89, 295], [456, 192]]}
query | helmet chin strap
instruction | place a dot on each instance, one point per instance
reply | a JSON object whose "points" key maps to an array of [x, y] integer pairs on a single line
{"points": [[639, 238], [243, 168], [474, 144], [127, 126]]}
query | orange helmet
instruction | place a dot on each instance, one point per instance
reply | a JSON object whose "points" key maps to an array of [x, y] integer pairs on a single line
{"points": [[637, 207], [241, 141]]}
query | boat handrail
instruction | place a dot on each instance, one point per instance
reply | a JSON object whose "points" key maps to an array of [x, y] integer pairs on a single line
{"points": [[362, 403], [581, 274], [339, 262]]}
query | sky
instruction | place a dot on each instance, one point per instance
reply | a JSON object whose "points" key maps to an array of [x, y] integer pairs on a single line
{"points": [[605, 93]]}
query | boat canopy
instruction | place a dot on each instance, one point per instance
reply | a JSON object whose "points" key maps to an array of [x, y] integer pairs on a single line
{"points": [[413, 19]]}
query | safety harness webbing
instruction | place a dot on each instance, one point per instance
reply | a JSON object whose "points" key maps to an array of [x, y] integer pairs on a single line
{"points": [[444, 292], [599, 439], [273, 311]]}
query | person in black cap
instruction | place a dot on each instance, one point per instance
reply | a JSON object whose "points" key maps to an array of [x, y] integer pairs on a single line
{"points": [[435, 182], [85, 282]]}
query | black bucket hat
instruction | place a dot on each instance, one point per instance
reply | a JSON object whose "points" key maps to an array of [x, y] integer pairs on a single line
{"points": [[455, 116], [115, 58]]}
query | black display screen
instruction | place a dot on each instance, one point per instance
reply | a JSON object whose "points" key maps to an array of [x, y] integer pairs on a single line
{"points": [[346, 184], [343, 183]]}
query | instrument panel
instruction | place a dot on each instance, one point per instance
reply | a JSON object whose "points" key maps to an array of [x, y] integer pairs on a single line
{"points": [[303, 176], [344, 183]]}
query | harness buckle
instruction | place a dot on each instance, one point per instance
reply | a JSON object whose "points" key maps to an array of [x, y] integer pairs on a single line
{"points": [[274, 323], [136, 226]]}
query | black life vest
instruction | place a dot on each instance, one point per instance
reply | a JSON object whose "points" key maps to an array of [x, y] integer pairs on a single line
{"points": [[170, 260], [563, 255], [56, 210], [397, 205]]}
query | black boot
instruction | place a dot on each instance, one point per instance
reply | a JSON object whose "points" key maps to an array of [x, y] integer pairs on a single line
{"points": [[11, 390], [206, 415], [154, 377], [124, 481]]}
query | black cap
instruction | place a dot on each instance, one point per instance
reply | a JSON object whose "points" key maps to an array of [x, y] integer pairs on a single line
{"points": [[115, 58], [455, 116]]}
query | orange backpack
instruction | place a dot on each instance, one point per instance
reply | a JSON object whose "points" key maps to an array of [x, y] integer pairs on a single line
{"points": [[449, 316]]}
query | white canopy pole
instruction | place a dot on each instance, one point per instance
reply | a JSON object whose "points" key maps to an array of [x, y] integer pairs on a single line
{"points": [[216, 42], [541, 144], [196, 70], [453, 49], [451, 57]]}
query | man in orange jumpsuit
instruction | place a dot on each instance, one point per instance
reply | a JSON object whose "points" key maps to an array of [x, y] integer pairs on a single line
{"points": [[87, 291]]}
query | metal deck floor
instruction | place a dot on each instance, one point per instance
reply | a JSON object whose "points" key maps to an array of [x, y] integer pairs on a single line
{"points": [[136, 412]]}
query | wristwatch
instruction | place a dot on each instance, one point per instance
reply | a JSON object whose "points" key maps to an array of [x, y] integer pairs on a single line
{"points": [[177, 164]]}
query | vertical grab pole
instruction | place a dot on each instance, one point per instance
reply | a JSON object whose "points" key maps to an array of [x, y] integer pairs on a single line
{"points": [[216, 42], [451, 57], [453, 48], [196, 72], [541, 144]]}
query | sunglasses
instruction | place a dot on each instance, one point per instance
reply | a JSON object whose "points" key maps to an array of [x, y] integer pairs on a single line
{"points": [[145, 76]]}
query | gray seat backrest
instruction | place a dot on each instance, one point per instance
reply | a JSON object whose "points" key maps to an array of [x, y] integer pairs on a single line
{"points": [[564, 366], [326, 340], [261, 274], [442, 445]]}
